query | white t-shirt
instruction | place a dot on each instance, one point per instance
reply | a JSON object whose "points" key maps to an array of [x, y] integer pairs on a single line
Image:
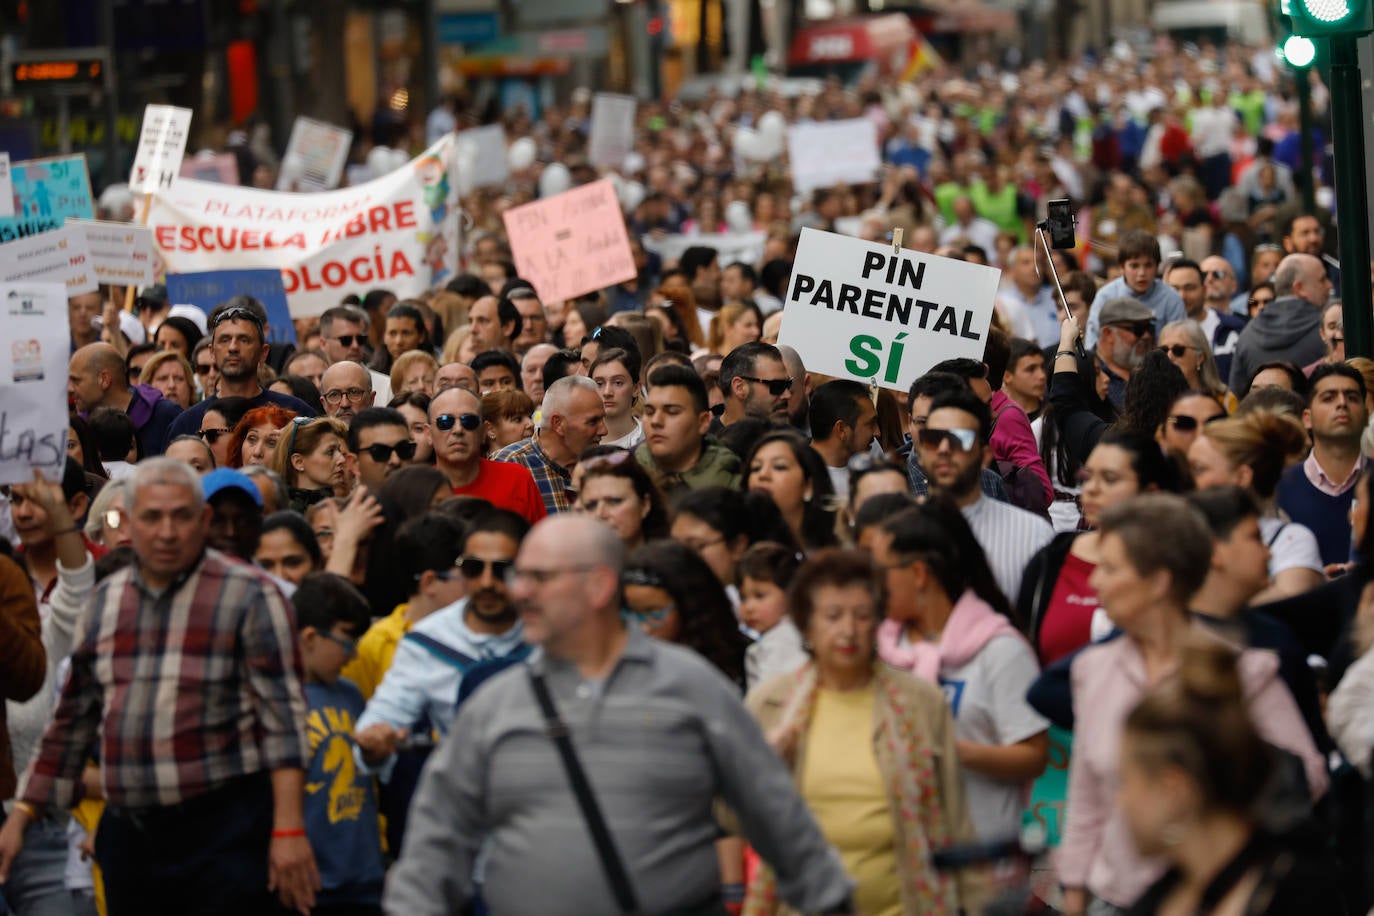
{"points": [[839, 481], [778, 651], [988, 699], [631, 439], [1291, 546]]}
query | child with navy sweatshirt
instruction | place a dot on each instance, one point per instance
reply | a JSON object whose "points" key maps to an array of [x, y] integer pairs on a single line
{"points": [[341, 819]]}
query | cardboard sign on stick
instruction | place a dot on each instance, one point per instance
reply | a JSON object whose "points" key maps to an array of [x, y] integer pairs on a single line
{"points": [[572, 243], [33, 381]]}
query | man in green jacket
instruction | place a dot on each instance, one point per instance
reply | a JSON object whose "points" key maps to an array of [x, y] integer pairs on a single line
{"points": [[676, 449]]}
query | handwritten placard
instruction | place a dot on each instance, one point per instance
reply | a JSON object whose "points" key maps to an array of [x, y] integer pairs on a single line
{"points": [[33, 381], [121, 253], [161, 145], [571, 244]]}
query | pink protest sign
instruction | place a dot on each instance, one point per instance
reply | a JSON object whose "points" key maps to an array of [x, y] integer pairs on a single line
{"points": [[572, 243]]}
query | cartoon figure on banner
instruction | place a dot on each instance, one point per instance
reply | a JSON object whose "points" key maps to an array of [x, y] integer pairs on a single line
{"points": [[27, 356], [434, 179]]}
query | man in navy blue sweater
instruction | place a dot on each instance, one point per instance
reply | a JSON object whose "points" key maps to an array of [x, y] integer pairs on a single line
{"points": [[1318, 492]]}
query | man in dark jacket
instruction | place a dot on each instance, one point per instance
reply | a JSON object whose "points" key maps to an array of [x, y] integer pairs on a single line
{"points": [[1290, 328], [97, 377]]}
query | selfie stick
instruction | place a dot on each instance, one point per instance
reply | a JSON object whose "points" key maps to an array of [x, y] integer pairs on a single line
{"points": [[1049, 259]]}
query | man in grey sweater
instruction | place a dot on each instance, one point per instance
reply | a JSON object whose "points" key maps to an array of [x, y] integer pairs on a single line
{"points": [[660, 734], [1290, 327]]}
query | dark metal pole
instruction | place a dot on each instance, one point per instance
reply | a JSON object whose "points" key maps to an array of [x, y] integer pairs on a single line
{"points": [[1308, 179], [1352, 202], [113, 165]]}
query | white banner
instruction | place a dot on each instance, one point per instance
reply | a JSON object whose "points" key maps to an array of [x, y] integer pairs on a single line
{"points": [[613, 129], [57, 256], [33, 381], [161, 144], [856, 310], [315, 156], [826, 153], [746, 247], [399, 232], [121, 253]]}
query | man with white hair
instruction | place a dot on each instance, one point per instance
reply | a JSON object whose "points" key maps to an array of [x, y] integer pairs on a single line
{"points": [[572, 420], [656, 735], [532, 370], [210, 730], [345, 389]]}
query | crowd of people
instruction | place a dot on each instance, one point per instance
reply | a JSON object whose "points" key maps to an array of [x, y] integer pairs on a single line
{"points": [[1082, 624]]}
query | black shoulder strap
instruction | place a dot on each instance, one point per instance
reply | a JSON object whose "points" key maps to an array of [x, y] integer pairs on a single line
{"points": [[442, 651], [591, 811]]}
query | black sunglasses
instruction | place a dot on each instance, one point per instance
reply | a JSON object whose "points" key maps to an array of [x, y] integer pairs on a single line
{"points": [[382, 453], [473, 567], [1186, 424], [1177, 351], [446, 421], [349, 339], [212, 435], [1138, 328], [776, 386]]}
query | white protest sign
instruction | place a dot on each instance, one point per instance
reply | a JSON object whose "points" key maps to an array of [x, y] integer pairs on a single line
{"points": [[825, 153], [6, 188], [730, 247], [33, 381], [613, 129], [855, 310], [59, 256], [482, 159], [572, 243], [315, 156], [399, 232], [161, 144], [121, 253]]}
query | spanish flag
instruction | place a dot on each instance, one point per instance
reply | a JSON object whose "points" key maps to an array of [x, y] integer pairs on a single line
{"points": [[922, 58]]}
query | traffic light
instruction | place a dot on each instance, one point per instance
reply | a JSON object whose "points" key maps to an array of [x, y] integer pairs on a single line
{"points": [[1320, 18], [1299, 51]]}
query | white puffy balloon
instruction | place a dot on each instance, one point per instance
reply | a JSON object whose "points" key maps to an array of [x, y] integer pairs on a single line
{"points": [[738, 217], [631, 194], [748, 144], [773, 125], [379, 161], [465, 161], [521, 154], [555, 179], [770, 146]]}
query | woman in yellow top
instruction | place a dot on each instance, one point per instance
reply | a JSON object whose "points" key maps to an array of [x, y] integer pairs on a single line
{"points": [[871, 748]]}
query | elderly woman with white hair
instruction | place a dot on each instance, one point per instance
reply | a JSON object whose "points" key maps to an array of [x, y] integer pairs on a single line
{"points": [[1188, 348], [106, 524]]}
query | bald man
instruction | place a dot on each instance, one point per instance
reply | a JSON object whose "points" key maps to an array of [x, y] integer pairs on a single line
{"points": [[97, 376], [345, 389], [455, 375], [1290, 328], [659, 734], [455, 423]]}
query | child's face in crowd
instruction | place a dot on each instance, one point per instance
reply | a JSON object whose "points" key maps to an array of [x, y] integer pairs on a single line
{"points": [[1140, 273], [762, 604], [325, 652]]}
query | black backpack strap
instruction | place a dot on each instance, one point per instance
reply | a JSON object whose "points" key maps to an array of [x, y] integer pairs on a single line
{"points": [[582, 789], [443, 651]]}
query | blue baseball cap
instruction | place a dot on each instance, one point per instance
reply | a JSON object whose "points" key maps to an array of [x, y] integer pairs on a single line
{"points": [[221, 479]]}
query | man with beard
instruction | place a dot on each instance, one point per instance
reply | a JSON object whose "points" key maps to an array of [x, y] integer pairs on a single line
{"points": [[1128, 333], [755, 382], [421, 686], [239, 343], [953, 446]]}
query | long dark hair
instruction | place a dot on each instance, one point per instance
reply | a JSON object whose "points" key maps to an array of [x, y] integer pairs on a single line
{"points": [[818, 521], [726, 512], [709, 626], [937, 533]]}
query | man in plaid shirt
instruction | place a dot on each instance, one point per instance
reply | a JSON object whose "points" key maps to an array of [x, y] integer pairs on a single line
{"points": [[572, 420], [185, 683]]}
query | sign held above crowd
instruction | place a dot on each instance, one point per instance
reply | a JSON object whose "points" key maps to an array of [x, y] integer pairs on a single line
{"points": [[45, 194], [573, 243], [612, 134], [897, 313], [315, 156], [161, 146], [33, 380], [399, 231], [121, 253], [59, 256], [825, 153]]}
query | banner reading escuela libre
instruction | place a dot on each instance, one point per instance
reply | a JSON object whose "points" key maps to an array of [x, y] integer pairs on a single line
{"points": [[399, 232]]}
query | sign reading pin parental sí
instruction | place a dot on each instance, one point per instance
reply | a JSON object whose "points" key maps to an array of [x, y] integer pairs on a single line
{"points": [[856, 310], [161, 144]]}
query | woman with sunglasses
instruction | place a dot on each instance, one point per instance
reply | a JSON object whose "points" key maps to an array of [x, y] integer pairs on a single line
{"points": [[616, 489], [287, 547], [217, 424], [255, 437], [1251, 452], [312, 457], [784, 466], [1057, 603], [1186, 345]]}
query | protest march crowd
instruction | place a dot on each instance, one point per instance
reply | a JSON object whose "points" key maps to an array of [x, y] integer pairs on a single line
{"points": [[653, 596]]}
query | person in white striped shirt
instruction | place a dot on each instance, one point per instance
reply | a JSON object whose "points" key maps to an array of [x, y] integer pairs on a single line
{"points": [[953, 448]]}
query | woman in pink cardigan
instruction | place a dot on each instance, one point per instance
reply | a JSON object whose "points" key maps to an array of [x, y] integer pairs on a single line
{"points": [[1155, 553]]}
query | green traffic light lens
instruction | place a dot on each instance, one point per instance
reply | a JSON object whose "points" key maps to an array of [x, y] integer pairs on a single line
{"points": [[1328, 11], [1299, 51]]}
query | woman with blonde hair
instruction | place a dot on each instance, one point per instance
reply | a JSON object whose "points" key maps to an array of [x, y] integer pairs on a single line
{"points": [[736, 324], [1187, 347], [313, 460], [459, 347], [1252, 452], [170, 372], [414, 370]]}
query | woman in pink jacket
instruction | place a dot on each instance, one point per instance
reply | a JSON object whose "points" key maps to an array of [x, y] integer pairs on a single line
{"points": [[1155, 553]]}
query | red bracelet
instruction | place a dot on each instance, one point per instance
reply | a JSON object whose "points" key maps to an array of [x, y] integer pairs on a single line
{"points": [[283, 834]]}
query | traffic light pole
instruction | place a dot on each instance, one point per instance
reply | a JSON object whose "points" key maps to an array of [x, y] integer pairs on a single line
{"points": [[1352, 206]]}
